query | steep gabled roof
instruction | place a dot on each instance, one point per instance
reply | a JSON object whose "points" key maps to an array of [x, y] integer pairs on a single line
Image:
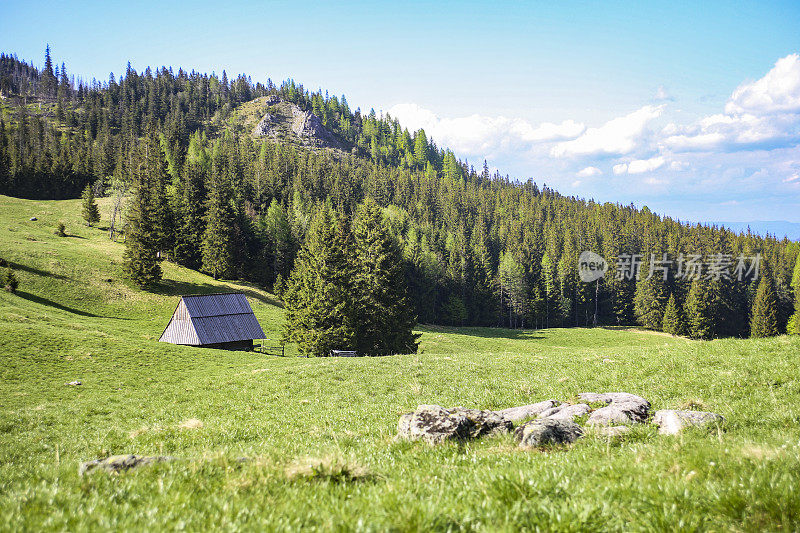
{"points": [[211, 319]]}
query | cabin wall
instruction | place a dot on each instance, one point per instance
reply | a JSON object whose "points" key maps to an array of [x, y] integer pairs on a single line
{"points": [[245, 345]]}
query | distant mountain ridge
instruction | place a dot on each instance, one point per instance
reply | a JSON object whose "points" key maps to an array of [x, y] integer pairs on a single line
{"points": [[777, 228]]}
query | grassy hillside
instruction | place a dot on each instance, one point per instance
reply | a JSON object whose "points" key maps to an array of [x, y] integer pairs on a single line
{"points": [[68, 322]]}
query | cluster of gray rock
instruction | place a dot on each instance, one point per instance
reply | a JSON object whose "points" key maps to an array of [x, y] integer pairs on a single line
{"points": [[609, 414], [303, 124]]}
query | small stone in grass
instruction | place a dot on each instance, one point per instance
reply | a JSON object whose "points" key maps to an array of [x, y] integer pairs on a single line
{"points": [[672, 422], [545, 431], [118, 463], [74, 383]]}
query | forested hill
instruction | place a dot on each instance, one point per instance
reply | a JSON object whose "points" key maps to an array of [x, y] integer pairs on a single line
{"points": [[477, 248]]}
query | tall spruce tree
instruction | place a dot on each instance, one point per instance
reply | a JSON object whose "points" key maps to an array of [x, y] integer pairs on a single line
{"points": [[700, 310], [764, 317], [385, 314], [279, 235], [218, 245], [48, 81], [320, 302], [673, 322], [650, 301], [90, 211], [793, 327], [191, 209], [146, 217]]}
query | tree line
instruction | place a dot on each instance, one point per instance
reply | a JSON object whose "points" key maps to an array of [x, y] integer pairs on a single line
{"points": [[477, 248]]}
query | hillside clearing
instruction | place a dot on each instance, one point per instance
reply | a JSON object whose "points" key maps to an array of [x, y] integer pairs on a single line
{"points": [[317, 435]]}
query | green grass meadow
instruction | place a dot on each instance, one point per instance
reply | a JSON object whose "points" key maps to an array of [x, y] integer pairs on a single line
{"points": [[318, 434]]}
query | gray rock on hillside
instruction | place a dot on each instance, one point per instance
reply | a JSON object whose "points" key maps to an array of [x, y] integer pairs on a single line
{"points": [[545, 431], [672, 422], [515, 414], [434, 423], [622, 408], [264, 126], [117, 463]]}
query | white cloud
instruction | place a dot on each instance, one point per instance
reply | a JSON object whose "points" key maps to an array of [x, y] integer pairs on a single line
{"points": [[482, 134], [777, 92], [589, 172], [639, 166], [645, 165], [748, 149], [761, 114], [618, 136]]}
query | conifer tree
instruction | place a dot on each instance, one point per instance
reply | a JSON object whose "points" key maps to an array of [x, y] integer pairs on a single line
{"points": [[320, 294], [385, 314], [421, 149], [650, 301], [91, 214], [673, 322], [793, 327], [218, 245], [279, 234], [191, 208], [513, 287], [699, 310], [764, 317], [48, 82], [144, 234]]}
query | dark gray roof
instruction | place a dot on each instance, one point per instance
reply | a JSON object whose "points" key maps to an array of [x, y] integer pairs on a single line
{"points": [[211, 319]]}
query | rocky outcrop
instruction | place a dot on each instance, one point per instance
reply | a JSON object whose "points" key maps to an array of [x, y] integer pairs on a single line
{"points": [[118, 463], [544, 431], [264, 126], [672, 422], [286, 118], [433, 423]]}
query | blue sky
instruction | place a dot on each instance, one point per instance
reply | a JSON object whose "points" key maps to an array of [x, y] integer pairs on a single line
{"points": [[692, 108]]}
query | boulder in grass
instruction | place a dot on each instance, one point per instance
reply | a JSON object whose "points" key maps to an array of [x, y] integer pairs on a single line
{"points": [[568, 412], [672, 422], [546, 431], [119, 463], [515, 414], [622, 408], [433, 423]]}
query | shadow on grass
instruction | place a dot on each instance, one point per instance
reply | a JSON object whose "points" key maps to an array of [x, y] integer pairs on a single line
{"points": [[484, 332], [38, 271], [169, 287], [44, 301]]}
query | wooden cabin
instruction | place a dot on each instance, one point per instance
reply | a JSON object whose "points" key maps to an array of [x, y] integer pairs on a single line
{"points": [[223, 321]]}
